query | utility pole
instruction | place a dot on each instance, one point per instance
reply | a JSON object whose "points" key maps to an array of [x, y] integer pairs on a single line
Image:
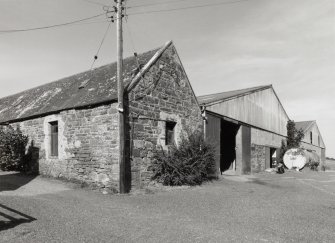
{"points": [[120, 90]]}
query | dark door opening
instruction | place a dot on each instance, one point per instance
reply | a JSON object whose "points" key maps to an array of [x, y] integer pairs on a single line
{"points": [[270, 157], [228, 144], [273, 157]]}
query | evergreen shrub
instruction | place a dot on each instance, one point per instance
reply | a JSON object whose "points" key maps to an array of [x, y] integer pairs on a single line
{"points": [[12, 149], [190, 163]]}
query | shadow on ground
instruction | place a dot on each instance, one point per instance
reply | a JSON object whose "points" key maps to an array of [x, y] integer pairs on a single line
{"points": [[10, 218], [263, 183], [10, 181]]}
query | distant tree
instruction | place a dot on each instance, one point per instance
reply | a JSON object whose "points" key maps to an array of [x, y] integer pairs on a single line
{"points": [[294, 138]]}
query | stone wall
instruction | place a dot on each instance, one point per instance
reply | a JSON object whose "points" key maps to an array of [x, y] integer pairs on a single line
{"points": [[164, 95], [87, 149], [258, 154]]}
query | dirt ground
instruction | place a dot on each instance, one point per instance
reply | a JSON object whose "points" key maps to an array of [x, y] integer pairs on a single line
{"points": [[292, 207], [330, 164]]}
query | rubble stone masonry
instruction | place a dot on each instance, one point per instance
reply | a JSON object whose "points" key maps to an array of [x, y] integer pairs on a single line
{"points": [[164, 95], [258, 154], [87, 145]]}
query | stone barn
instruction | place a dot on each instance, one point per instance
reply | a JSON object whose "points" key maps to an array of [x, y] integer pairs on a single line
{"points": [[247, 128], [72, 123]]}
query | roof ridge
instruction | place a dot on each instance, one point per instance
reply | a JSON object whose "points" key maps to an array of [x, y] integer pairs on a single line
{"points": [[306, 121], [305, 125], [255, 87]]}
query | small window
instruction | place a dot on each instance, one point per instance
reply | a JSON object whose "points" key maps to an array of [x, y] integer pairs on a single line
{"points": [[54, 138], [311, 137], [169, 136], [318, 140]]}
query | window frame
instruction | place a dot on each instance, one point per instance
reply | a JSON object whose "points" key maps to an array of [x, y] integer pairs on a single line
{"points": [[54, 139], [170, 132]]}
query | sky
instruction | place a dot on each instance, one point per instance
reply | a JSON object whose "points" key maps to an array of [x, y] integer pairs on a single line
{"points": [[241, 44]]}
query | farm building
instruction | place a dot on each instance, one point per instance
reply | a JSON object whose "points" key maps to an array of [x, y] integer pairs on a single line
{"points": [[312, 140], [73, 126], [246, 126]]}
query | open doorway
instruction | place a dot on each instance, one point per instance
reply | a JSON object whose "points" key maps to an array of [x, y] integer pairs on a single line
{"points": [[273, 159], [228, 145], [270, 157]]}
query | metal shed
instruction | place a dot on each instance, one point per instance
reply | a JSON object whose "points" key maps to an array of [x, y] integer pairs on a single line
{"points": [[246, 126]]}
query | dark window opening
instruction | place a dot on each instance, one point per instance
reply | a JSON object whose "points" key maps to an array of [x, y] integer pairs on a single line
{"points": [[169, 129], [311, 137], [54, 138]]}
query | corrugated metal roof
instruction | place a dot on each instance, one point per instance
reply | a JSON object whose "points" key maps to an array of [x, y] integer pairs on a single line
{"points": [[208, 99], [304, 125], [84, 89]]}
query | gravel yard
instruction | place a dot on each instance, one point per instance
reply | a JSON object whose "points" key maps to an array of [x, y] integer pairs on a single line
{"points": [[292, 207]]}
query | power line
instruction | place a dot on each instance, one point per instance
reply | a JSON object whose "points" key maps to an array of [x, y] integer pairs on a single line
{"points": [[101, 43], [134, 13], [51, 26], [153, 4], [93, 22], [96, 3], [184, 8]]}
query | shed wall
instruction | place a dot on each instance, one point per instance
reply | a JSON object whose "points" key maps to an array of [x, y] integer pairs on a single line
{"points": [[318, 150], [265, 138], [213, 136], [315, 138], [261, 109]]}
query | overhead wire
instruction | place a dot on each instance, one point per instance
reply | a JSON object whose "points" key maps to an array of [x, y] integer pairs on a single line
{"points": [[96, 3], [128, 14], [132, 43], [51, 26], [187, 7], [111, 20], [101, 43], [137, 61], [129, 32], [93, 22], [154, 4]]}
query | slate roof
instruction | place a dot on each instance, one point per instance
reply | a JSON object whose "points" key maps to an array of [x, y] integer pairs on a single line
{"points": [[88, 88], [211, 98], [304, 125]]}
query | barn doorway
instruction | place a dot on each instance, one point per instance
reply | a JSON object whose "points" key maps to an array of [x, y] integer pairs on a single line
{"points": [[270, 157], [273, 160], [228, 145]]}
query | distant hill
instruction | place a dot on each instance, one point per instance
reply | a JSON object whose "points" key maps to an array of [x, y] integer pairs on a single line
{"points": [[328, 158]]}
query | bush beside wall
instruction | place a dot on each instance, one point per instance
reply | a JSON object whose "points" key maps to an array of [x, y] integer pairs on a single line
{"points": [[190, 163], [12, 149]]}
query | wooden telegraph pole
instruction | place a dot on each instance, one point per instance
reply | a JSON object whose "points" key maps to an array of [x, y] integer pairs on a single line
{"points": [[120, 90]]}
